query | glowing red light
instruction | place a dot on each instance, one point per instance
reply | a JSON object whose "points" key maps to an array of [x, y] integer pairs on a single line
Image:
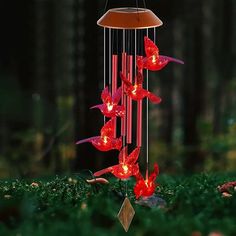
{"points": [[136, 92], [145, 188], [106, 141], [110, 107], [153, 61], [127, 165]]}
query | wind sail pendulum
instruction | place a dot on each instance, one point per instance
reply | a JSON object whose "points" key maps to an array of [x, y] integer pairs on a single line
{"points": [[130, 53]]}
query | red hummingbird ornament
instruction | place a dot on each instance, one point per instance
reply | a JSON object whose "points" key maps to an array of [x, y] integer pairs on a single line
{"points": [[136, 91], [146, 188], [153, 61], [127, 165], [110, 107], [106, 141]]}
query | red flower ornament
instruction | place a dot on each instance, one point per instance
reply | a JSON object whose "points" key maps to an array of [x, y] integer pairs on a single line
{"points": [[106, 141], [127, 165], [153, 61], [136, 92], [110, 107], [146, 188]]}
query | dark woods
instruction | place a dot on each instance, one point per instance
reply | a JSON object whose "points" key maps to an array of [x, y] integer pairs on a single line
{"points": [[51, 69]]}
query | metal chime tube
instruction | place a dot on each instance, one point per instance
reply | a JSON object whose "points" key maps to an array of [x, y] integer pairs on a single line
{"points": [[139, 120], [139, 103], [114, 82], [123, 99], [139, 123], [129, 100]]}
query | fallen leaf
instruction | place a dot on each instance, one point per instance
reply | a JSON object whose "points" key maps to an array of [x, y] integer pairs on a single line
{"points": [[226, 187], [97, 181], [34, 184], [226, 194]]}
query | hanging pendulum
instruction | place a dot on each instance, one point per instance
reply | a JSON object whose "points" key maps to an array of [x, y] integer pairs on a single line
{"points": [[126, 214]]}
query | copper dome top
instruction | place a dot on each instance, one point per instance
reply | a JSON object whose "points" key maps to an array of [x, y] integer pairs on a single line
{"points": [[129, 18]]}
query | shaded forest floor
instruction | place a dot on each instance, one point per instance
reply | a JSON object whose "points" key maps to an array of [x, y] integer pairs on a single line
{"points": [[70, 206]]}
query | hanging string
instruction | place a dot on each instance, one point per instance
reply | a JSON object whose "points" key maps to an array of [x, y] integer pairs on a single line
{"points": [[104, 64], [113, 36], [144, 4], [105, 8], [109, 58], [117, 44], [124, 137], [135, 53], [128, 42], [137, 7], [124, 36], [147, 124], [154, 32]]}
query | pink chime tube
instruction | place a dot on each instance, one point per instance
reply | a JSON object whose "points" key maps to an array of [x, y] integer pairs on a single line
{"points": [[114, 82], [139, 123], [139, 118], [129, 100], [123, 98]]}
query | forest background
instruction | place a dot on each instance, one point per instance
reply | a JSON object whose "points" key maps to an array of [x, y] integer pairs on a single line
{"points": [[47, 85]]}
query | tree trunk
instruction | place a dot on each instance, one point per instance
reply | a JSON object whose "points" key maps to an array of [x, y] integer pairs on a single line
{"points": [[193, 94]]}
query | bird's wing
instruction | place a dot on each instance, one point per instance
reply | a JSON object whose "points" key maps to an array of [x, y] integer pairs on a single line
{"points": [[155, 173], [108, 128], [106, 96], [123, 154], [135, 169], [133, 156], [124, 79], [138, 176], [117, 96], [139, 78], [150, 47]]}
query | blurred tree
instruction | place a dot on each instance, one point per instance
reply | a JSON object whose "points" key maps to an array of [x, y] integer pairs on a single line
{"points": [[224, 59], [87, 80]]}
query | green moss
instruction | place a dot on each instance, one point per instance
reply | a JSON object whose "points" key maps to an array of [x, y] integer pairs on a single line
{"points": [[62, 206]]}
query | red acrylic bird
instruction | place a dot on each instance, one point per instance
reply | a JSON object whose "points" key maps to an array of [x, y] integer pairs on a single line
{"points": [[106, 141], [127, 165], [136, 92], [153, 61], [110, 107], [146, 188]]}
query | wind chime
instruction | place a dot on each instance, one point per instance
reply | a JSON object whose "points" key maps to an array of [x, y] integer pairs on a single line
{"points": [[130, 53]]}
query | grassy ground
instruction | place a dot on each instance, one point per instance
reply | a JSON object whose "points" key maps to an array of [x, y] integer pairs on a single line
{"points": [[69, 206]]}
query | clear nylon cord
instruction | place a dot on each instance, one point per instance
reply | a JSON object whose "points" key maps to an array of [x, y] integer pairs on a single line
{"points": [[147, 124], [104, 64], [123, 36], [110, 59]]}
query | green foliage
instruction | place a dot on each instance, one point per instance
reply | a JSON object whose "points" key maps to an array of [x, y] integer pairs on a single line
{"points": [[69, 206]]}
